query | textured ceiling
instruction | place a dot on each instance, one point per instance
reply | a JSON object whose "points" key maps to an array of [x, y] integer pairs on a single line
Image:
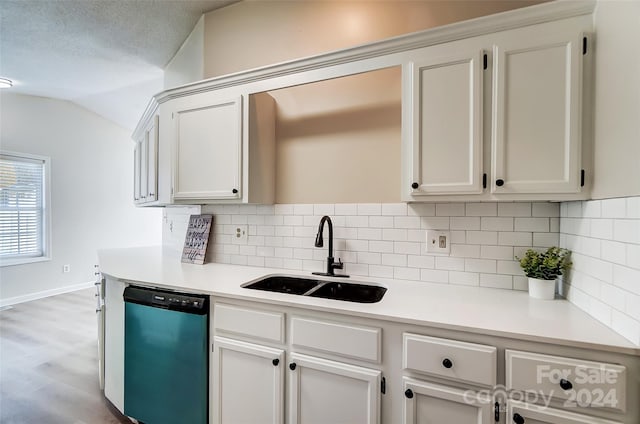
{"points": [[106, 55]]}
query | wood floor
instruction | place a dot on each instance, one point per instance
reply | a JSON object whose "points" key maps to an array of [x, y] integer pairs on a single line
{"points": [[49, 363]]}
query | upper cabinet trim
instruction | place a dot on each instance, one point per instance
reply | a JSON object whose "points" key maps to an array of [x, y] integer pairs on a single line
{"points": [[531, 15]]}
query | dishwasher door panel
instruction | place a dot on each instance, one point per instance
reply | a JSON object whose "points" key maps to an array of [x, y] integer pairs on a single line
{"points": [[165, 365]]}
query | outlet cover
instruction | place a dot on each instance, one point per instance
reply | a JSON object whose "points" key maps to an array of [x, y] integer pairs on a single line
{"points": [[66, 268], [240, 234], [438, 242]]}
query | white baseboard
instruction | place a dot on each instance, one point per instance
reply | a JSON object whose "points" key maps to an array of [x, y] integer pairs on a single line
{"points": [[46, 293]]}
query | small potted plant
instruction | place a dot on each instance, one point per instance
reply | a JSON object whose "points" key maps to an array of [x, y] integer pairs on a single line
{"points": [[543, 268]]}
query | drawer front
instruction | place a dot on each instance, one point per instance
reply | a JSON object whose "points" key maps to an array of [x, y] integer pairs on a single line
{"points": [[451, 359], [265, 325], [337, 338], [578, 382]]}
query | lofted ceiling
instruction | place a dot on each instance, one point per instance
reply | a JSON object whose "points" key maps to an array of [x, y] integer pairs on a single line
{"points": [[105, 55]]}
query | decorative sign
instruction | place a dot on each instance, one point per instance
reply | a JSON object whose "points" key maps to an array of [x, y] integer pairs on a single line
{"points": [[197, 239]]}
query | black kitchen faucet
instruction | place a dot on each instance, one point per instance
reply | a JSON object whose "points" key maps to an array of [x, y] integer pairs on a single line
{"points": [[331, 265]]}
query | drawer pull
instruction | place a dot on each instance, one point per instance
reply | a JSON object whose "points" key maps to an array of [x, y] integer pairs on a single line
{"points": [[292, 366], [408, 393], [275, 362], [447, 363], [517, 418], [566, 384]]}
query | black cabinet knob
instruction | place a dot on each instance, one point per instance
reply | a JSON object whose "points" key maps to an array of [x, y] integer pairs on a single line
{"points": [[408, 393], [447, 363], [499, 182], [275, 362], [292, 366], [517, 418], [415, 186], [234, 191], [566, 384]]}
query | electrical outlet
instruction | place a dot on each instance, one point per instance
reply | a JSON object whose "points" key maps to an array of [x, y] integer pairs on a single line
{"points": [[66, 268], [438, 242], [240, 234]]}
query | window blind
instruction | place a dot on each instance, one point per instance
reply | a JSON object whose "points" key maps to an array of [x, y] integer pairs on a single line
{"points": [[21, 206]]}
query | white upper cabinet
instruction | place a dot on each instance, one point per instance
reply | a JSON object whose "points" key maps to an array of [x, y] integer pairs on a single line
{"points": [[536, 129], [145, 180], [447, 124], [208, 149]]}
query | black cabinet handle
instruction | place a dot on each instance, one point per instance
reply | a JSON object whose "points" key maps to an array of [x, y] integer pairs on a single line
{"points": [[499, 182], [517, 418], [275, 362], [292, 366], [447, 363], [234, 191], [408, 393], [415, 186], [566, 384]]}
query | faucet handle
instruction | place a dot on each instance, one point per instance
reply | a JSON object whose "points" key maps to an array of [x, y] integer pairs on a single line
{"points": [[339, 264]]}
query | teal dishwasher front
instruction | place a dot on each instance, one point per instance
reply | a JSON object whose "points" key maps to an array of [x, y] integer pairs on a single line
{"points": [[166, 356]]}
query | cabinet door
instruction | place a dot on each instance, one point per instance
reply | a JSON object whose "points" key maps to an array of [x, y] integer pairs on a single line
{"points": [[208, 150], [323, 391], [151, 137], [520, 413], [114, 342], [447, 125], [144, 173], [427, 403], [536, 132], [247, 383], [136, 172]]}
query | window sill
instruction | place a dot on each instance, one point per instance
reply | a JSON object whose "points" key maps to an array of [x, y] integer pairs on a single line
{"points": [[23, 261]]}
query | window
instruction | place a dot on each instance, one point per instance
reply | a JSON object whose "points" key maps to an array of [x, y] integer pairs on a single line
{"points": [[24, 221]]}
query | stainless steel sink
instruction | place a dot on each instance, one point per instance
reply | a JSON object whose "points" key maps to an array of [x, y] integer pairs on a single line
{"points": [[350, 292]]}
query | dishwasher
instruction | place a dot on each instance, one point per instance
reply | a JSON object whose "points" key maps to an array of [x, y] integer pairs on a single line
{"points": [[166, 356]]}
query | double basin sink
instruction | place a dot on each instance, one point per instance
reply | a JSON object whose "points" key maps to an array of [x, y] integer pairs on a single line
{"points": [[336, 290]]}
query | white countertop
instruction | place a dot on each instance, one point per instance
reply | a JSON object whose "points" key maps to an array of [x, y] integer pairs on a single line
{"points": [[496, 312]]}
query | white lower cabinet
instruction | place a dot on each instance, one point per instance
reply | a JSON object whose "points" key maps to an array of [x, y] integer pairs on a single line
{"points": [[248, 383], [521, 413], [323, 391], [429, 403], [114, 342]]}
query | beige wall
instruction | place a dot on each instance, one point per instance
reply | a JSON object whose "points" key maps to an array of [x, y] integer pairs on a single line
{"points": [[617, 99], [337, 141]]}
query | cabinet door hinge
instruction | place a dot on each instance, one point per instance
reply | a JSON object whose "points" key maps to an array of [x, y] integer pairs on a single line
{"points": [[584, 45], [484, 61], [383, 386], [496, 412], [582, 178], [484, 180]]}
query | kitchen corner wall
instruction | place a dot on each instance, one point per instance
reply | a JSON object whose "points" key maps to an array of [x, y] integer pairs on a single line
{"points": [[383, 240], [604, 236]]}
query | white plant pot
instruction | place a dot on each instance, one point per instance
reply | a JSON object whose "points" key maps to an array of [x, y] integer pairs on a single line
{"points": [[542, 289]]}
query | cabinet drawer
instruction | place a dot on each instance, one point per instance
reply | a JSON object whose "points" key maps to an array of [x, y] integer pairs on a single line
{"points": [[578, 382], [337, 338], [265, 325], [451, 359]]}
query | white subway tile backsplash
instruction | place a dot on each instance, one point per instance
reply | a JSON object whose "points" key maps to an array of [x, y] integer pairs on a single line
{"points": [[496, 224], [450, 209], [388, 241], [482, 237], [464, 223], [531, 224], [464, 278], [481, 209], [605, 276], [514, 209], [394, 209], [614, 208]]}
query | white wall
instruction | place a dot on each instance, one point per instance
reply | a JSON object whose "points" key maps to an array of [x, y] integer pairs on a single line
{"points": [[91, 191], [188, 63]]}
